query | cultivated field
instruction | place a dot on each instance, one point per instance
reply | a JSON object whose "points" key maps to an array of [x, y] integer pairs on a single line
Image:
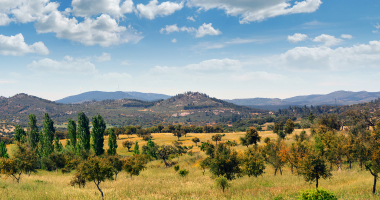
{"points": [[158, 182]]}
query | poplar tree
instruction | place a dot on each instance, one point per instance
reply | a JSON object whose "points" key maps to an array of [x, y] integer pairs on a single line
{"points": [[3, 150], [32, 131], [112, 144], [99, 126], [20, 134], [83, 133], [289, 126], [48, 136], [72, 132], [57, 145], [136, 150]]}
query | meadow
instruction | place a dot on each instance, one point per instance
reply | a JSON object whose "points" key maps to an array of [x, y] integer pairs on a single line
{"points": [[159, 182]]}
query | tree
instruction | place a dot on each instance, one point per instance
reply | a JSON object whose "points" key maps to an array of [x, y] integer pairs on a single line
{"points": [[272, 153], [195, 140], [151, 149], [48, 135], [164, 152], [222, 182], [127, 144], [83, 133], [72, 132], [373, 163], [289, 127], [112, 143], [133, 165], [251, 137], [32, 131], [58, 159], [24, 161], [20, 135], [3, 150], [99, 126], [311, 117], [178, 133], [57, 145], [278, 127], [225, 162], [216, 138], [117, 164], [313, 167], [253, 162], [94, 169], [136, 150]]}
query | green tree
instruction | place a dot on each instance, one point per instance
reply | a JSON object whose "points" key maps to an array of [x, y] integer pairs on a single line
{"points": [[99, 126], [311, 117], [33, 131], [48, 136], [251, 137], [58, 160], [225, 162], [178, 133], [112, 143], [313, 167], [216, 138], [253, 162], [94, 169], [278, 127], [136, 150], [20, 135], [72, 132], [133, 165], [151, 149], [289, 127], [164, 151], [222, 182], [373, 163], [272, 153], [117, 164], [83, 133], [57, 145], [127, 144], [196, 140], [3, 150]]}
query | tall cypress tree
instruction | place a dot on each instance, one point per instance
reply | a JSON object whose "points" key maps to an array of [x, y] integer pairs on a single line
{"points": [[32, 131], [112, 144], [20, 134], [99, 126], [48, 135], [72, 132], [83, 133], [136, 149]]}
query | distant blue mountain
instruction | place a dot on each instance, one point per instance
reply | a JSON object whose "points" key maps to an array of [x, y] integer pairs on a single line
{"points": [[100, 96]]}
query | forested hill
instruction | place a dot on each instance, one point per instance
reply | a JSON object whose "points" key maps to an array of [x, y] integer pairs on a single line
{"points": [[192, 107], [100, 96]]}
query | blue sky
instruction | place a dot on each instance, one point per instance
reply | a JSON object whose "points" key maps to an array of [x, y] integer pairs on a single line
{"points": [[227, 49]]}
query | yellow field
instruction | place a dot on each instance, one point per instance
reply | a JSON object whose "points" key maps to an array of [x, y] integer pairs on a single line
{"points": [[158, 182]]}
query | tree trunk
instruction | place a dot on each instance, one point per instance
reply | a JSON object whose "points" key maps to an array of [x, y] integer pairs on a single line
{"points": [[361, 164], [275, 171], [374, 184], [350, 165], [101, 192], [131, 176], [316, 185], [166, 164], [115, 176], [280, 171]]}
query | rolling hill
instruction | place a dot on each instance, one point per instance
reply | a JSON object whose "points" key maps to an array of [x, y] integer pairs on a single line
{"points": [[100, 96]]}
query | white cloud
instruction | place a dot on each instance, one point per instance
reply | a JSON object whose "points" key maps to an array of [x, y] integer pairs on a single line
{"points": [[297, 37], [191, 18], [257, 10], [377, 25], [16, 46], [103, 57], [125, 62], [174, 40], [325, 58], [153, 9], [215, 64], [205, 29], [113, 76], [103, 30], [67, 66], [346, 36], [115, 8], [242, 41], [259, 75], [329, 40]]}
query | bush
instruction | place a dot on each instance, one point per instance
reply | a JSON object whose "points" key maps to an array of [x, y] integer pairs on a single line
{"points": [[147, 137], [222, 182], [317, 194], [176, 168], [183, 172]]}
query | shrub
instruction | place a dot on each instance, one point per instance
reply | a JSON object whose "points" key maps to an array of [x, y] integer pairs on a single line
{"points": [[222, 182], [147, 137], [317, 194], [176, 168], [183, 172]]}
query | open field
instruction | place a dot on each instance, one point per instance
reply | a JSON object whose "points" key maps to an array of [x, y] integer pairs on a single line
{"points": [[159, 182]]}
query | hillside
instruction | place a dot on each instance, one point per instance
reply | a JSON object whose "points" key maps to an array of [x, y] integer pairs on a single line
{"points": [[193, 108], [100, 96], [341, 97]]}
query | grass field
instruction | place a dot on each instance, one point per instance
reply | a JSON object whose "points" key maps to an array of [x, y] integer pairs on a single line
{"points": [[158, 182]]}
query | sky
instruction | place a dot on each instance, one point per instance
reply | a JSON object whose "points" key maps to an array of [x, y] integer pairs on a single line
{"points": [[226, 49]]}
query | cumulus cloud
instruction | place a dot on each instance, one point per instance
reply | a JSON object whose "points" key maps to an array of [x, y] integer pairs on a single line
{"points": [[103, 30], [153, 9], [326, 58], [191, 19], [66, 66], [203, 30], [103, 57], [346, 36], [16, 46], [297, 37], [174, 40], [257, 10], [115, 8], [328, 40]]}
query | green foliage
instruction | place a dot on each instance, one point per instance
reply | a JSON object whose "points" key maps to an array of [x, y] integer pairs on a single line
{"points": [[112, 143], [313, 167], [99, 126], [225, 162], [133, 165], [83, 133], [117, 164], [183, 172], [281, 134], [253, 162], [222, 182], [72, 131], [195, 140], [136, 150], [251, 137], [57, 145], [216, 138], [176, 168], [20, 134], [33, 131], [3, 150], [278, 127], [127, 144], [289, 127], [151, 149], [317, 194], [48, 136]]}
